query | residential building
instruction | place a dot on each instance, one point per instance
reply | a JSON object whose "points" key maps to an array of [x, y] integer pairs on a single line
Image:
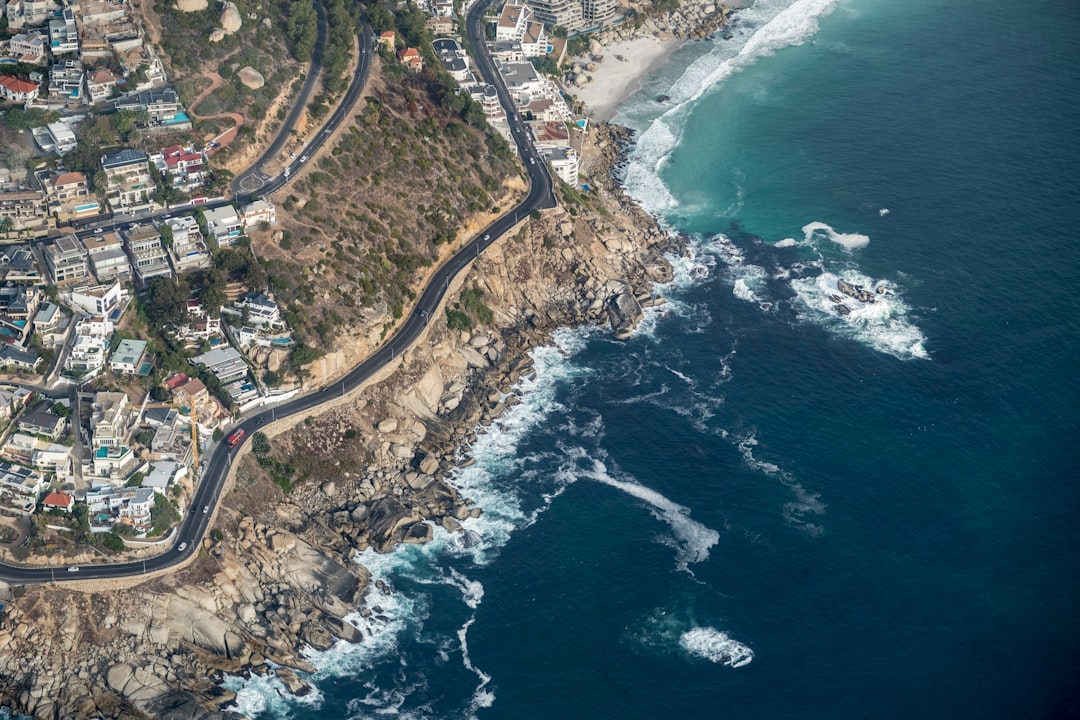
{"points": [[97, 299], [412, 59], [241, 391], [114, 461], [68, 193], [58, 501], [186, 166], [29, 47], [18, 359], [21, 485], [188, 250], [20, 266], [27, 209], [564, 13], [18, 306], [598, 13], [548, 135], [48, 457], [109, 419], [261, 309], [564, 163], [534, 41], [507, 51], [12, 398], [60, 137], [172, 438], [127, 174], [162, 473], [258, 211], [47, 320], [136, 508], [40, 420], [488, 98], [66, 259], [227, 364], [223, 223], [27, 13], [17, 90], [87, 355], [191, 393], [440, 25], [148, 257], [387, 39], [453, 58], [66, 81], [63, 35], [107, 258], [161, 105], [100, 85], [129, 357], [512, 22]]}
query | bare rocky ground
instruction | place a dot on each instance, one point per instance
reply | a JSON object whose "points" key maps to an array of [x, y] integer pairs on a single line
{"points": [[370, 472]]}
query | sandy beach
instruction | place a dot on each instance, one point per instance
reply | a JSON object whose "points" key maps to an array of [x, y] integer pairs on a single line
{"points": [[615, 80]]}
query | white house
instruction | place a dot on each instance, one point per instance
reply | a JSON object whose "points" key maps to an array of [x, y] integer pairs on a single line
{"points": [[256, 212], [97, 299], [223, 223], [226, 363], [128, 357]]}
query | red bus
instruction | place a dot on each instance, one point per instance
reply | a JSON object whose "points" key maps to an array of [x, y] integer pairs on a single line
{"points": [[235, 438]]}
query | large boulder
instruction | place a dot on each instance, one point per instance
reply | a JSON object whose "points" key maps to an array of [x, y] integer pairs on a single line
{"points": [[624, 312], [230, 18], [251, 78], [199, 627], [191, 5]]}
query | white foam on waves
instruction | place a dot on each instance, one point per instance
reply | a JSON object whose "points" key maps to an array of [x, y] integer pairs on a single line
{"points": [[692, 539], [804, 504], [763, 28], [882, 325], [716, 647], [849, 241]]}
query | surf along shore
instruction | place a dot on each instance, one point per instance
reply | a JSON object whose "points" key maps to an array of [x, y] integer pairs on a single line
{"points": [[283, 576]]}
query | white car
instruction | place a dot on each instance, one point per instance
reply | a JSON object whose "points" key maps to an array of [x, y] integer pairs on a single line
{"points": [[73, 568], [206, 509], [532, 161], [181, 547]]}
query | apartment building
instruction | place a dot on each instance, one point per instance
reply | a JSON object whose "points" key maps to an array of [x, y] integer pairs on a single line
{"points": [[110, 417], [148, 257], [127, 174], [66, 260], [108, 261], [188, 250]]}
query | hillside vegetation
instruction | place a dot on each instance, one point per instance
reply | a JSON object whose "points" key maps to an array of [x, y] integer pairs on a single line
{"points": [[366, 218]]}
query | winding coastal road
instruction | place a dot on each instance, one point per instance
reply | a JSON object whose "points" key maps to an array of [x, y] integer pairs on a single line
{"points": [[196, 523], [252, 179]]}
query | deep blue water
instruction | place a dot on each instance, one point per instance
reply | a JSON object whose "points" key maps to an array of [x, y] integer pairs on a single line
{"points": [[879, 507]]}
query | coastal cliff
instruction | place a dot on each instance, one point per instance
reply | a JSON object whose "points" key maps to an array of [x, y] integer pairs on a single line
{"points": [[279, 574]]}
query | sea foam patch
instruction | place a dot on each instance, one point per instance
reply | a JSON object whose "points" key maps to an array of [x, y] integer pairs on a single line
{"points": [[716, 646], [692, 539], [848, 241]]}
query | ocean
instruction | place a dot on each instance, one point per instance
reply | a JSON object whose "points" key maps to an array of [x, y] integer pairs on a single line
{"points": [[775, 500]]}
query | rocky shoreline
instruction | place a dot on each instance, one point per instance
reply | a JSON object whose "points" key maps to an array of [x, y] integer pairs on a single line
{"points": [[283, 578]]}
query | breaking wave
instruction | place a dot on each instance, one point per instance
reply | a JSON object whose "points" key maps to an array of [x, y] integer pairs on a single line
{"points": [[716, 647], [848, 241], [883, 324], [763, 28], [803, 506]]}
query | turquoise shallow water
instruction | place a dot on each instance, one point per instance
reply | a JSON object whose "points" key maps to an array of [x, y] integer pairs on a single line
{"points": [[759, 507]]}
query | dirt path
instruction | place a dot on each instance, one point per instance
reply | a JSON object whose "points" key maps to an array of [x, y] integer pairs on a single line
{"points": [[238, 120]]}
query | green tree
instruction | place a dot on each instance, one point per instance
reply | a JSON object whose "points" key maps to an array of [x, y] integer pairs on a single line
{"points": [[260, 444], [166, 300]]}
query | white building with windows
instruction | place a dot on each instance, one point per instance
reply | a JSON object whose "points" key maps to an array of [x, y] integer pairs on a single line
{"points": [[90, 346]]}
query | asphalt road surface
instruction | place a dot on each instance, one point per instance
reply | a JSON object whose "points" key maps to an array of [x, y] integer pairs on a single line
{"points": [[212, 478]]}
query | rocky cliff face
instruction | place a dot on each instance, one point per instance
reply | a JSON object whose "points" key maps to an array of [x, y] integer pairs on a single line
{"points": [[374, 476]]}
